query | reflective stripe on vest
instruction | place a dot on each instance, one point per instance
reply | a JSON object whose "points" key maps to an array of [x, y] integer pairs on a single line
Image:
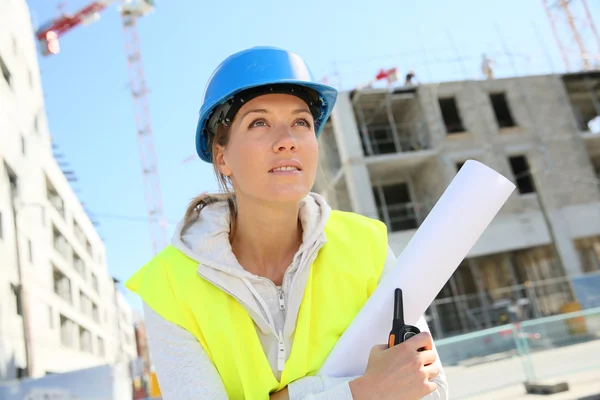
{"points": [[341, 279]]}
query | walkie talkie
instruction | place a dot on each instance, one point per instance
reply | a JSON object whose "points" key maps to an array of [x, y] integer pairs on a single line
{"points": [[400, 331]]}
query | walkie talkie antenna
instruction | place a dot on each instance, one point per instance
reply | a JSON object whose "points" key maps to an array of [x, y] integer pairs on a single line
{"points": [[398, 306]]}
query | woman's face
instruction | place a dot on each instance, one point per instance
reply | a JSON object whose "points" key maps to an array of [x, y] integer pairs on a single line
{"points": [[272, 150]]}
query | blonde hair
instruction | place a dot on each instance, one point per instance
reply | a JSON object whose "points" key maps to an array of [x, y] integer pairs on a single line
{"points": [[227, 194]]}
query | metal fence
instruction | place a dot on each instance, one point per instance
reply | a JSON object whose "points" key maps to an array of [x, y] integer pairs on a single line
{"points": [[554, 347], [536, 299]]}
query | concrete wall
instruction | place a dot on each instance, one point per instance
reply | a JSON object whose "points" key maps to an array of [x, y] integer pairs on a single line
{"points": [[23, 121]]}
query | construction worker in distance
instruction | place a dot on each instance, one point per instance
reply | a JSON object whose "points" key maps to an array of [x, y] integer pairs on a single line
{"points": [[260, 281]]}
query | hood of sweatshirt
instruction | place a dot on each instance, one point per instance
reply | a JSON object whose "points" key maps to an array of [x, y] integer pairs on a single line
{"points": [[206, 240]]}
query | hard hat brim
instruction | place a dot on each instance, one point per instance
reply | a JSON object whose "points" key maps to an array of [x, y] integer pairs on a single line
{"points": [[327, 97]]}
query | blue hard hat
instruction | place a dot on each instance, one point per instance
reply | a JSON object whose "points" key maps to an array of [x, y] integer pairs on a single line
{"points": [[251, 73]]}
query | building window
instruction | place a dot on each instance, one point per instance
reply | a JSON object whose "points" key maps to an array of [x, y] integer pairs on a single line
{"points": [[30, 251], [85, 340], [79, 235], [36, 123], [17, 296], [451, 116], [81, 238], [5, 72], [395, 206], [79, 265], [95, 312], [501, 110], [85, 304], [23, 145], [13, 180], [67, 330], [100, 346], [54, 198], [522, 174], [95, 283], [62, 285], [60, 243]]}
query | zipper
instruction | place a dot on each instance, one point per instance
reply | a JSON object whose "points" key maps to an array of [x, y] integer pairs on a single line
{"points": [[281, 352]]}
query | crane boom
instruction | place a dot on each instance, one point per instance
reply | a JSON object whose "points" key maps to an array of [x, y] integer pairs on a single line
{"points": [[48, 36]]}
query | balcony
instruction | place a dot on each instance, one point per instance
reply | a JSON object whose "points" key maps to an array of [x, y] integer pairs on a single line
{"points": [[392, 127]]}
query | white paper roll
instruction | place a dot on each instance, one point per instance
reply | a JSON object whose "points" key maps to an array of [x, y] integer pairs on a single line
{"points": [[451, 229]]}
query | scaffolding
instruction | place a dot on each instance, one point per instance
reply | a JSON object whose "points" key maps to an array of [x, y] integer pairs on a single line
{"points": [[390, 121]]}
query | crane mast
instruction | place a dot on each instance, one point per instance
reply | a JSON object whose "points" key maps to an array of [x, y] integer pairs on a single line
{"points": [[575, 33], [139, 95]]}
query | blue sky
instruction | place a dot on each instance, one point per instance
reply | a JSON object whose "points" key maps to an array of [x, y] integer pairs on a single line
{"points": [[90, 111]]}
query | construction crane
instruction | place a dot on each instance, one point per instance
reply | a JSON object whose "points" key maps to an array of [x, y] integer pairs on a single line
{"points": [[48, 38], [574, 31]]}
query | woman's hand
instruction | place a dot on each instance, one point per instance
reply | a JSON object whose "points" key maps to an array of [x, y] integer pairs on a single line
{"points": [[400, 372]]}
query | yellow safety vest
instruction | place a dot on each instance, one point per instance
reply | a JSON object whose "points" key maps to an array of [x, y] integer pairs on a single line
{"points": [[342, 277]]}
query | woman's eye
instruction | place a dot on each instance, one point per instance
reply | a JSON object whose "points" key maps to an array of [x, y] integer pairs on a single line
{"points": [[257, 123], [304, 122]]}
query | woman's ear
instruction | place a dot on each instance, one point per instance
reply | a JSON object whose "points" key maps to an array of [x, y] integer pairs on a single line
{"points": [[220, 160]]}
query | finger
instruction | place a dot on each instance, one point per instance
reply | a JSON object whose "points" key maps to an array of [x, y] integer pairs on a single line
{"points": [[427, 357], [379, 348], [429, 388], [432, 371], [422, 340]]}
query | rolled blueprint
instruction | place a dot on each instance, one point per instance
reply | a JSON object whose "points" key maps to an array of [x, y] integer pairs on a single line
{"points": [[437, 248]]}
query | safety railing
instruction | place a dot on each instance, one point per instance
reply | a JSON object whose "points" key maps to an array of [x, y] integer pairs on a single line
{"points": [[406, 137], [496, 307], [402, 216], [555, 347]]}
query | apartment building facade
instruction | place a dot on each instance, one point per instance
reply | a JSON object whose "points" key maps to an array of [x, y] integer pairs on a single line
{"points": [[390, 153], [59, 308]]}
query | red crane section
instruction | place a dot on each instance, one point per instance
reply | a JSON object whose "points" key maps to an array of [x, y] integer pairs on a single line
{"points": [[48, 34]]}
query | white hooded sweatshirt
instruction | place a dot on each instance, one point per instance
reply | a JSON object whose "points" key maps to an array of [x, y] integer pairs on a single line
{"points": [[183, 368]]}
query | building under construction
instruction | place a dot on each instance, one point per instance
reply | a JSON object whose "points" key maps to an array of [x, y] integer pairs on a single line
{"points": [[390, 153]]}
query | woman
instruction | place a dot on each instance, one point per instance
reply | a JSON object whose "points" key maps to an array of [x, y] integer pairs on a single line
{"points": [[260, 282]]}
